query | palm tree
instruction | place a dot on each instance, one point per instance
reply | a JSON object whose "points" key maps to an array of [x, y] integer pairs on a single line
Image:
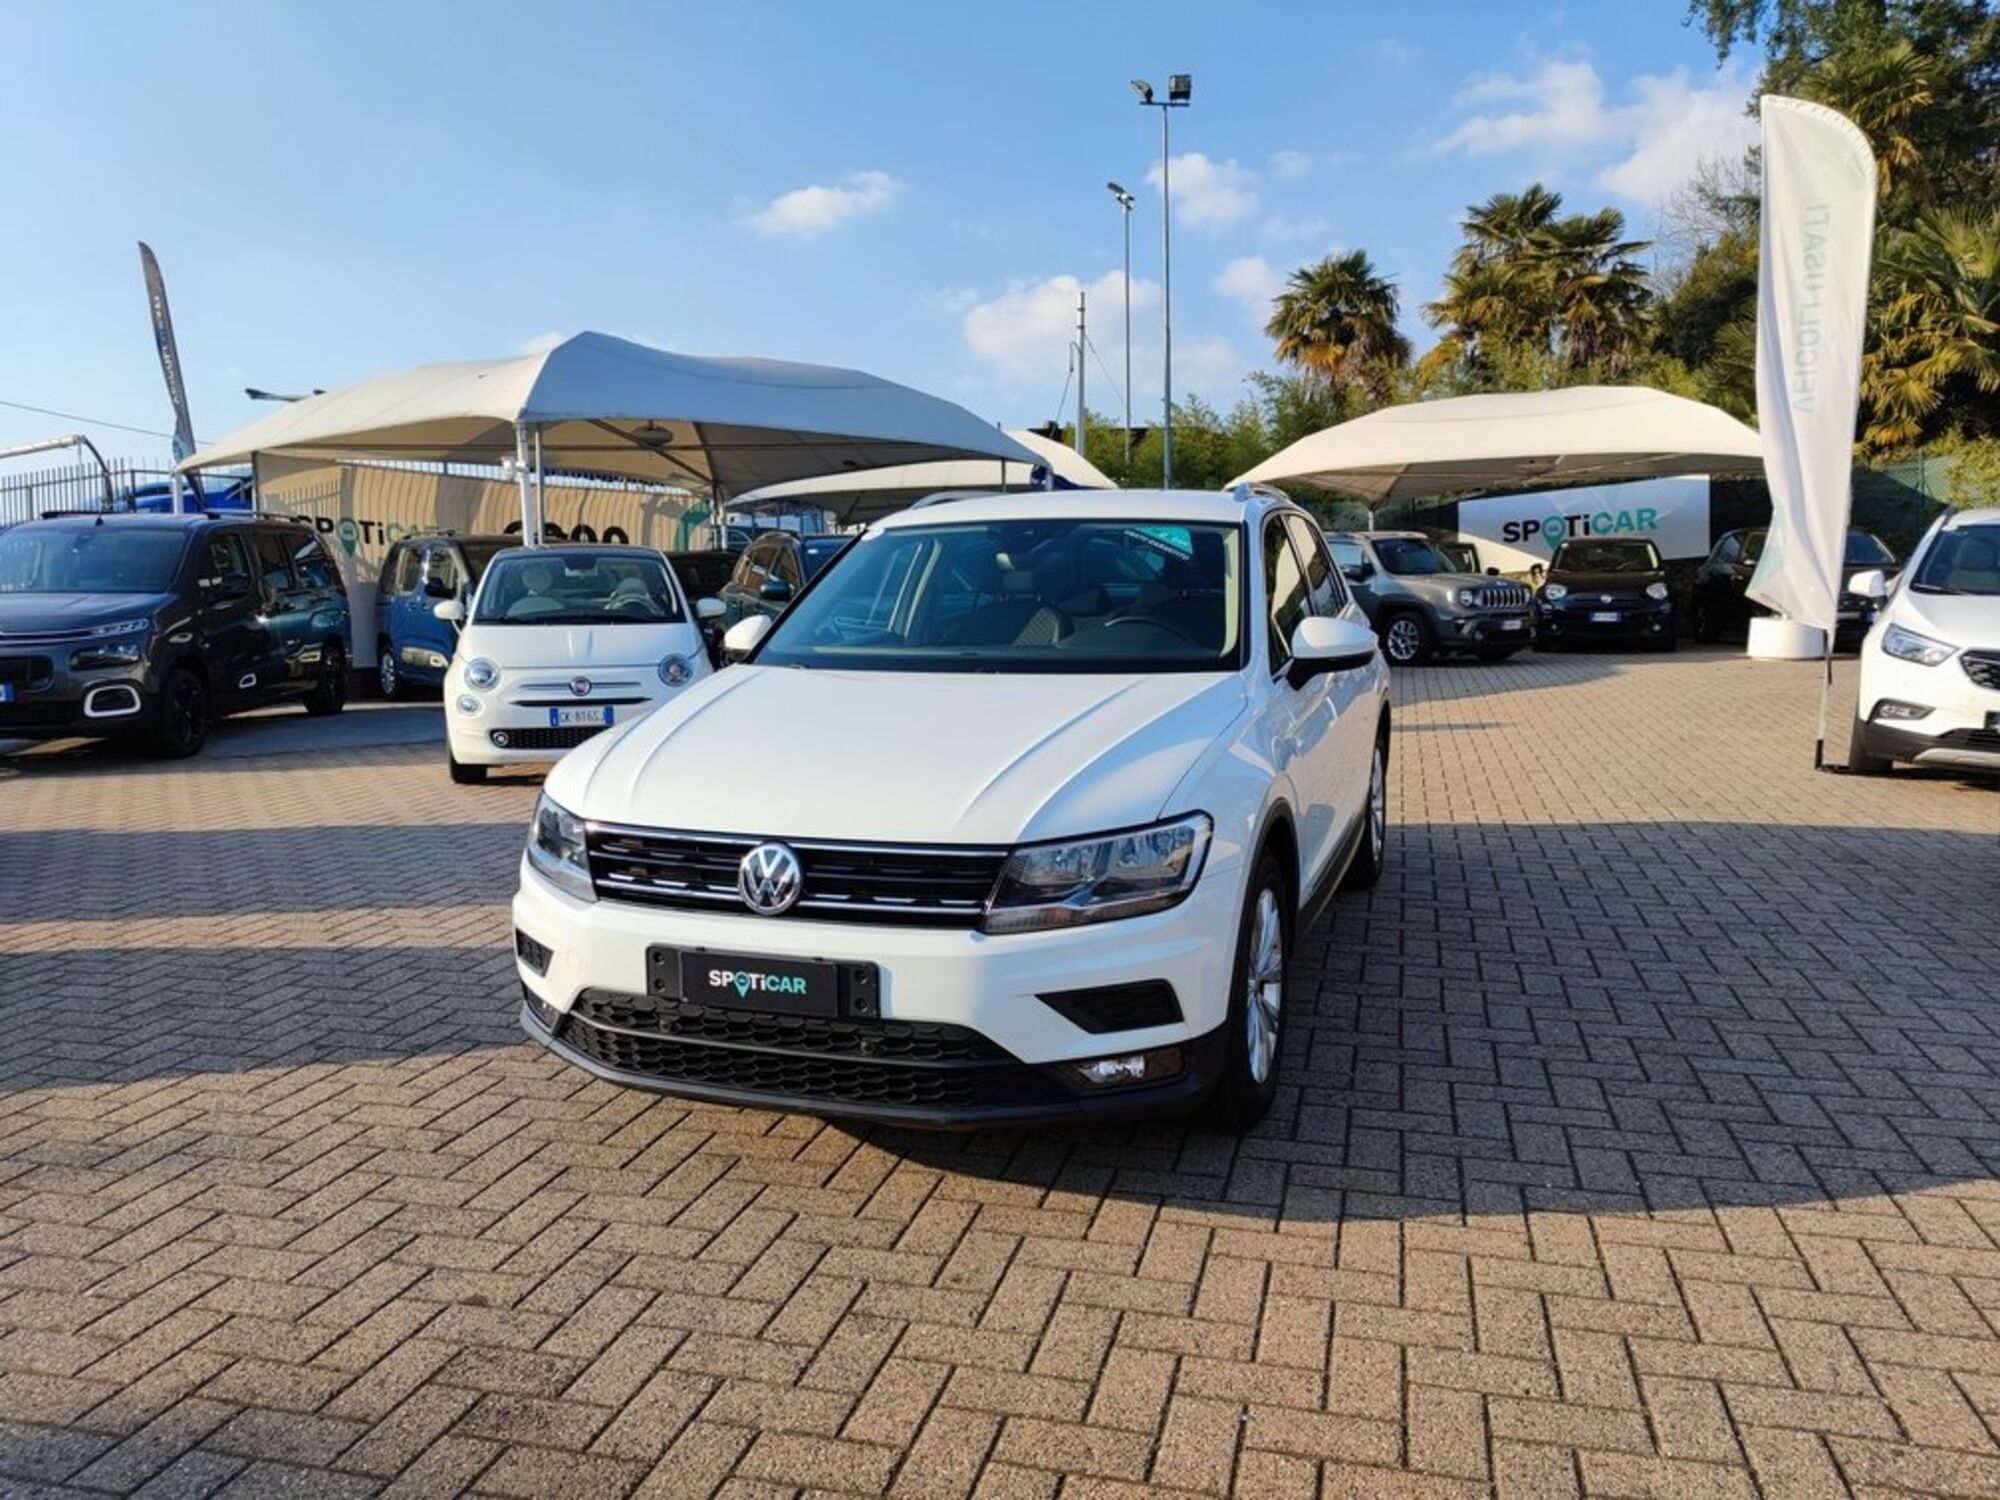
{"points": [[1502, 227], [1337, 320], [1596, 291], [1937, 331]]}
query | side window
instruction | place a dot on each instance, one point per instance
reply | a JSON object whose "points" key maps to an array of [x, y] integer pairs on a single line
{"points": [[1729, 549], [1348, 554], [222, 556], [274, 562], [395, 573], [1284, 589], [750, 567], [1324, 591], [442, 567], [312, 564], [785, 565]]}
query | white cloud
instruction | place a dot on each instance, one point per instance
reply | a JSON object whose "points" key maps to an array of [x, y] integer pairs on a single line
{"points": [[1289, 165], [1284, 227], [1642, 148], [1252, 281], [1024, 334], [1208, 367], [808, 211], [1209, 193], [952, 299]]}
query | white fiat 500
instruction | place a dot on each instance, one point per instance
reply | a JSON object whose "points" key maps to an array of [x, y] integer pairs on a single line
{"points": [[1930, 666], [1015, 814], [563, 643]]}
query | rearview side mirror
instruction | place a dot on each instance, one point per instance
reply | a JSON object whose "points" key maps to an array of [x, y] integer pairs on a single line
{"points": [[1324, 643], [743, 637], [450, 611], [229, 588], [1492, 572], [710, 609], [1358, 572], [774, 591], [1871, 584], [1535, 571]]}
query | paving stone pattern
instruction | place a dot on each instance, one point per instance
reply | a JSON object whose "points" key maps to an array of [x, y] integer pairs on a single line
{"points": [[1637, 1138]]}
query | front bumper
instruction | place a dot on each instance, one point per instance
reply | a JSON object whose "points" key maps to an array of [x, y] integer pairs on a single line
{"points": [[1501, 627], [1946, 748], [977, 996], [68, 703], [1651, 621], [530, 738]]}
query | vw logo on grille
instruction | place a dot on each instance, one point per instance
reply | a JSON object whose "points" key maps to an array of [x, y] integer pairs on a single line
{"points": [[769, 879], [580, 686]]}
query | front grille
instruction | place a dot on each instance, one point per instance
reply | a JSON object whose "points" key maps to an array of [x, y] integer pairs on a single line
{"points": [[1985, 741], [572, 702], [1501, 596], [806, 1059], [1983, 667], [27, 671], [38, 714], [909, 884], [544, 739]]}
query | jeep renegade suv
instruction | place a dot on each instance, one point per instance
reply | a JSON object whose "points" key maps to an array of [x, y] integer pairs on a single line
{"points": [[1422, 605]]}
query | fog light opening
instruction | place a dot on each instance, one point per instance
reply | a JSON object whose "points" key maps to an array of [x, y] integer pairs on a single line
{"points": [[111, 701], [501, 739], [1896, 710], [1127, 1069]]}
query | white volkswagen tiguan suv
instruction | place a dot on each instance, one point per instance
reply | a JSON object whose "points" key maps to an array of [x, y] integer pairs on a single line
{"points": [[1930, 665], [1015, 814]]}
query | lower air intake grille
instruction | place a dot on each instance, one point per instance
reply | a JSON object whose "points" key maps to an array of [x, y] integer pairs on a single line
{"points": [[1983, 667], [543, 739]]}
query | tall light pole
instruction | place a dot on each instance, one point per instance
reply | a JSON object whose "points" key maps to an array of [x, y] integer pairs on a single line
{"points": [[1180, 90], [1125, 203]]}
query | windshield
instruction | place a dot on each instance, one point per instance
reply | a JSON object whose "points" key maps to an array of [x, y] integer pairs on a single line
{"points": [[551, 586], [1606, 557], [1023, 596], [479, 554], [1863, 550], [89, 560], [1410, 557], [1966, 561]]}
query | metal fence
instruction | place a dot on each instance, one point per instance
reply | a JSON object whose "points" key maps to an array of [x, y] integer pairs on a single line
{"points": [[26, 494]]}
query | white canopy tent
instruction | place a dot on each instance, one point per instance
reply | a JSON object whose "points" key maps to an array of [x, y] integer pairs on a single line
{"points": [[856, 499], [602, 406], [1591, 433]]}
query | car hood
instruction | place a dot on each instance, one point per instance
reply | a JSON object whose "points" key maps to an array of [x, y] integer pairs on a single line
{"points": [[1441, 585], [534, 648], [1968, 620], [1604, 583], [903, 757], [47, 614]]}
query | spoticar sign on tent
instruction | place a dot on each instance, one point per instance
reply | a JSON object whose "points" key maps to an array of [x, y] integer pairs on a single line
{"points": [[1514, 532]]}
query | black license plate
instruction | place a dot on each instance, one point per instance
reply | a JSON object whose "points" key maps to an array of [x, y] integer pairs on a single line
{"points": [[746, 981]]}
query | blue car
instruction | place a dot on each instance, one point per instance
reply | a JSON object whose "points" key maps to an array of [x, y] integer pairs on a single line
{"points": [[412, 646]]}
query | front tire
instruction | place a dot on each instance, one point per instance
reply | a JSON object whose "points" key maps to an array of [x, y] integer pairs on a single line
{"points": [[1366, 867], [388, 674], [329, 694], [1706, 631], [463, 774], [180, 718], [1256, 1029], [1860, 760], [1407, 639]]}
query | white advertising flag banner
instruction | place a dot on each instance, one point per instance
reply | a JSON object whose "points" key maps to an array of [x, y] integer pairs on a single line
{"points": [[1812, 303], [1514, 532]]}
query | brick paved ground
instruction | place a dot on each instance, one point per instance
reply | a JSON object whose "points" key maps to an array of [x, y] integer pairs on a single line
{"points": [[1638, 1138]]}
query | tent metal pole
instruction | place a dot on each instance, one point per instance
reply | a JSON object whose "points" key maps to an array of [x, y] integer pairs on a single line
{"points": [[541, 492], [531, 534]]}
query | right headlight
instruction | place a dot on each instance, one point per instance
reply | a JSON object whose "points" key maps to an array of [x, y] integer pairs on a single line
{"points": [[481, 673], [1907, 645], [556, 849], [1099, 879], [1555, 591]]}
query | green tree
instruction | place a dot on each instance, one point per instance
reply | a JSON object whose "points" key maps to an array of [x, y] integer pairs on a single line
{"points": [[1936, 349], [1337, 321]]}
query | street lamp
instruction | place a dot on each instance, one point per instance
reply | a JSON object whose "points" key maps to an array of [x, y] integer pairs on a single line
{"points": [[1125, 203], [1180, 91]]}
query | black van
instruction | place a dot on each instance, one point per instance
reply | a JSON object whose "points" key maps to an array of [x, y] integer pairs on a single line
{"points": [[151, 626]]}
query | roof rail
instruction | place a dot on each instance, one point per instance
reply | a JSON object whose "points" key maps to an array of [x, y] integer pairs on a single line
{"points": [[945, 497], [217, 514], [1246, 491]]}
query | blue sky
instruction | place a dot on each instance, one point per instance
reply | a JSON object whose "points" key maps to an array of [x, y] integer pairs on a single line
{"points": [[915, 189]]}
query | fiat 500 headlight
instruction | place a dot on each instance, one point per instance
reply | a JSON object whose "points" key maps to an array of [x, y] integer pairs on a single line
{"points": [[481, 673], [676, 671], [1907, 645], [1555, 591], [556, 849], [1096, 880], [1656, 590]]}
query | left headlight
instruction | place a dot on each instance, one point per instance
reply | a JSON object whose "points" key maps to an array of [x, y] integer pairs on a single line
{"points": [[1657, 590], [1907, 645], [120, 644], [481, 673], [1097, 880], [1467, 598], [1555, 591], [556, 849], [676, 671]]}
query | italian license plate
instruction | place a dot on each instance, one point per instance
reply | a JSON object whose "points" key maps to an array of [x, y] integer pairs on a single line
{"points": [[1604, 617], [574, 718], [6, 692], [744, 981], [1513, 624]]}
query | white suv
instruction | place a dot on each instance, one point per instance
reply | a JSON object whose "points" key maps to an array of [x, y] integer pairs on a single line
{"points": [[1014, 814], [1930, 666], [562, 644]]}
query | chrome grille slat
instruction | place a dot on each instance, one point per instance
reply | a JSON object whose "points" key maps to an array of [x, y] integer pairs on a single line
{"points": [[1983, 667]]}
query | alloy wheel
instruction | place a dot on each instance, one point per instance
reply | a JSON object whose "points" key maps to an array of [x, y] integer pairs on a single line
{"points": [[1378, 801], [1264, 986], [387, 669], [187, 713], [1405, 640]]}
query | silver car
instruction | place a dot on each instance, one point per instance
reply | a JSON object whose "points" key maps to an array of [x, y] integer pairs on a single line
{"points": [[1421, 606]]}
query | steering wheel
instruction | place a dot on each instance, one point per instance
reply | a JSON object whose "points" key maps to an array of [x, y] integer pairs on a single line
{"points": [[633, 604], [1153, 623]]}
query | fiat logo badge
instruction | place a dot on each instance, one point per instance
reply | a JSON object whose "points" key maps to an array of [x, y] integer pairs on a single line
{"points": [[769, 879], [580, 686]]}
